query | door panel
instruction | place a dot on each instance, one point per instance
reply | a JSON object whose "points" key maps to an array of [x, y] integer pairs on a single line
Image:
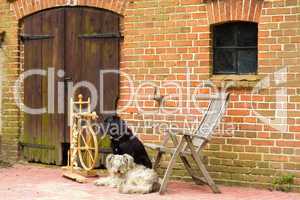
{"points": [[101, 53], [53, 57], [81, 58], [91, 53], [33, 87], [43, 132], [73, 54]]}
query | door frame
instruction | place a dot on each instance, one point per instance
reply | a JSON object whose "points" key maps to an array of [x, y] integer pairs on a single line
{"points": [[22, 49]]}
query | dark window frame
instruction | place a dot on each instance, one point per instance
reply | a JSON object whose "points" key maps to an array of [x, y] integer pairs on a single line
{"points": [[235, 48]]}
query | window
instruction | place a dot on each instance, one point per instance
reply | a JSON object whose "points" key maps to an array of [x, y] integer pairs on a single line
{"points": [[235, 48]]}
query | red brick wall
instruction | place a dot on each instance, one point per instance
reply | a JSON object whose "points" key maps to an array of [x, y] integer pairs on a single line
{"points": [[10, 127], [166, 39]]}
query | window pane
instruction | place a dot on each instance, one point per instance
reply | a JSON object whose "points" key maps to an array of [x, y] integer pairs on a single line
{"points": [[224, 61], [247, 61], [224, 35], [236, 55], [247, 34]]}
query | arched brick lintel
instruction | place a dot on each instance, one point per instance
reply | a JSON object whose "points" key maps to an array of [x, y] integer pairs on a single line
{"points": [[23, 8], [234, 10]]}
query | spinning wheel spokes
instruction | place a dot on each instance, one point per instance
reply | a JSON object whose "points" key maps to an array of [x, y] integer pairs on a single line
{"points": [[87, 148], [84, 140]]}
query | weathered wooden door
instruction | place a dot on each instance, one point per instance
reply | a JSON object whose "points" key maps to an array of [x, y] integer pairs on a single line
{"points": [[82, 42]]}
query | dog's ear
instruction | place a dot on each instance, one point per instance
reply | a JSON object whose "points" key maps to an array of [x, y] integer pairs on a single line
{"points": [[129, 161], [109, 159]]}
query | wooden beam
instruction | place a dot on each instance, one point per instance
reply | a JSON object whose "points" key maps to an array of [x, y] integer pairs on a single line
{"points": [[75, 177]]}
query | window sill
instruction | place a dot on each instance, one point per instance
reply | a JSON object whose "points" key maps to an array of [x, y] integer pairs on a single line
{"points": [[235, 81]]}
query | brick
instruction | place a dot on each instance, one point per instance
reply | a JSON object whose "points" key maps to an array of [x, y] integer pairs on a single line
{"points": [[288, 151], [294, 128], [249, 156], [262, 142], [239, 112], [242, 163], [238, 149], [276, 150], [265, 172], [225, 155], [286, 143], [253, 127], [276, 158], [262, 164], [238, 141]]}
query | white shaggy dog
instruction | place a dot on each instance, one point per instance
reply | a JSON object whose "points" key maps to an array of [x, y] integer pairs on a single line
{"points": [[129, 177]]}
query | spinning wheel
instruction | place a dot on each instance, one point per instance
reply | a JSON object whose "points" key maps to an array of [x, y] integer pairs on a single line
{"points": [[84, 143]]}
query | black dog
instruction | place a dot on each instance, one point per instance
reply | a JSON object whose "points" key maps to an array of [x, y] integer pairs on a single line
{"points": [[123, 141]]}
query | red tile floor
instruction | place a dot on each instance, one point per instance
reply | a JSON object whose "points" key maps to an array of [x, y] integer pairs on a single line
{"points": [[36, 182]]}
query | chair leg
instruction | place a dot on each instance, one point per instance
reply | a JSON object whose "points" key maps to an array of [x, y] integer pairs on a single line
{"points": [[209, 180], [170, 167], [157, 160], [190, 171], [202, 167], [186, 163]]}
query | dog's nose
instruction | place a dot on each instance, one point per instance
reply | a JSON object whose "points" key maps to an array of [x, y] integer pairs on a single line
{"points": [[119, 171]]}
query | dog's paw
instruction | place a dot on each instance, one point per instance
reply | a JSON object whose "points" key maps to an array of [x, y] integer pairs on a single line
{"points": [[115, 185], [123, 189], [100, 182]]}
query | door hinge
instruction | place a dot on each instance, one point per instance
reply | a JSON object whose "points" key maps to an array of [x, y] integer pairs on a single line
{"points": [[37, 146], [101, 35], [25, 37]]}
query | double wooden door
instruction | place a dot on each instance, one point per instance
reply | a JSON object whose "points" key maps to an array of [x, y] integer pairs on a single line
{"points": [[65, 46]]}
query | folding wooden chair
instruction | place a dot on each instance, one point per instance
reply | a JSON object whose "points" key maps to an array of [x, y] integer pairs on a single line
{"points": [[191, 144]]}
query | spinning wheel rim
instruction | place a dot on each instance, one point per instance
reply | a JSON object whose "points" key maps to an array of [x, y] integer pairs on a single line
{"points": [[93, 156]]}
